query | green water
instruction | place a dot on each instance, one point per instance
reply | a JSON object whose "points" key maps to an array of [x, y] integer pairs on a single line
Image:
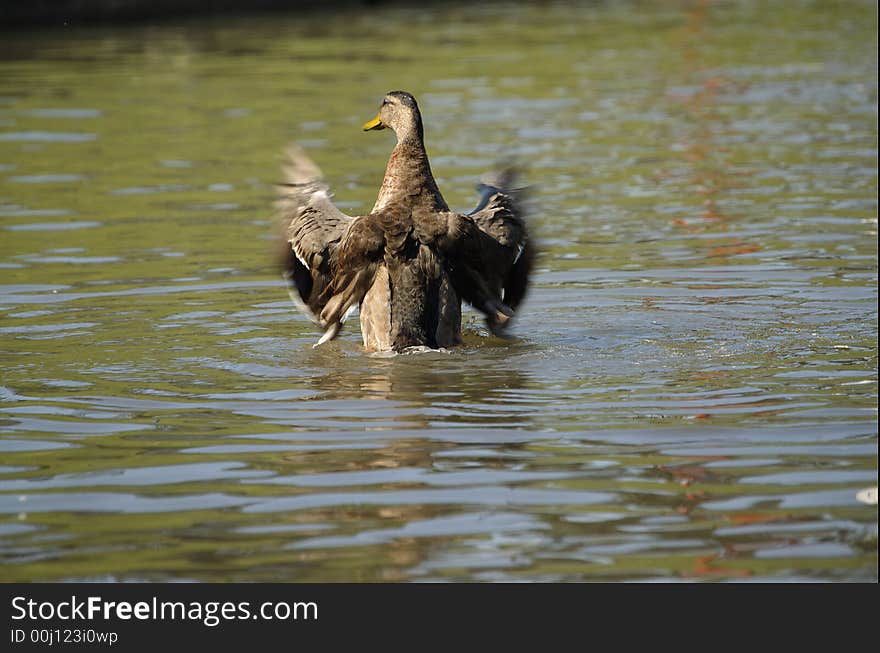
{"points": [[691, 392]]}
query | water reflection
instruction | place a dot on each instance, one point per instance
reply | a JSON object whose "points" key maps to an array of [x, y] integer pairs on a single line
{"points": [[465, 376]]}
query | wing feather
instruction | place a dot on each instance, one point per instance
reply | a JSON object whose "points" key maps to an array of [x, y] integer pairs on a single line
{"points": [[311, 231], [490, 251]]}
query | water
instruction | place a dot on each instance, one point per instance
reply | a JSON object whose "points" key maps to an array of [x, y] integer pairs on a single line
{"points": [[691, 392]]}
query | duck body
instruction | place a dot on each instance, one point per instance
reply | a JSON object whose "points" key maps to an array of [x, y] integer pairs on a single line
{"points": [[409, 262]]}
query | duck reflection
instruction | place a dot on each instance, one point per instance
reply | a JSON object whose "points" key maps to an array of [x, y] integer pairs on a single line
{"points": [[474, 377], [410, 405], [421, 414]]}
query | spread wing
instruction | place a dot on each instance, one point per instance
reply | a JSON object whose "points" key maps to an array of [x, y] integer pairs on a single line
{"points": [[490, 251], [314, 236]]}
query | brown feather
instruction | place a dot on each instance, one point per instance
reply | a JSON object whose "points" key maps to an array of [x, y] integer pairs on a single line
{"points": [[410, 261]]}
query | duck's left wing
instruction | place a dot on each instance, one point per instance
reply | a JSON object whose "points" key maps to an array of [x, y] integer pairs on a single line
{"points": [[312, 228]]}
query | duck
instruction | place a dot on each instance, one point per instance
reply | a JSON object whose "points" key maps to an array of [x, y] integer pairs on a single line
{"points": [[408, 264]]}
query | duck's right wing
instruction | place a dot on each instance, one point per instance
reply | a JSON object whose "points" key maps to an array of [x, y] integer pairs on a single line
{"points": [[509, 247], [490, 251], [312, 230]]}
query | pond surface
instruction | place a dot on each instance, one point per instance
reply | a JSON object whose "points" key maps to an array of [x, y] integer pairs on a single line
{"points": [[691, 389]]}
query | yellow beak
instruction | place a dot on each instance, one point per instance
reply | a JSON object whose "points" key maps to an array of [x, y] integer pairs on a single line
{"points": [[375, 123]]}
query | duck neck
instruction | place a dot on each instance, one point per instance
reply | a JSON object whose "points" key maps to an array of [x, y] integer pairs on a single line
{"points": [[408, 178]]}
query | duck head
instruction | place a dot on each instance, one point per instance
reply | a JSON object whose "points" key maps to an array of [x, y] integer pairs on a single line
{"points": [[400, 112]]}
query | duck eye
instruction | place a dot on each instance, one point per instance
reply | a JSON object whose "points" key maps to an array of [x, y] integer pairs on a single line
{"points": [[384, 102]]}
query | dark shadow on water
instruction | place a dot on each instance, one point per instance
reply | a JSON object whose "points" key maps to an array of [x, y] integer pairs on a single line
{"points": [[64, 13]]}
